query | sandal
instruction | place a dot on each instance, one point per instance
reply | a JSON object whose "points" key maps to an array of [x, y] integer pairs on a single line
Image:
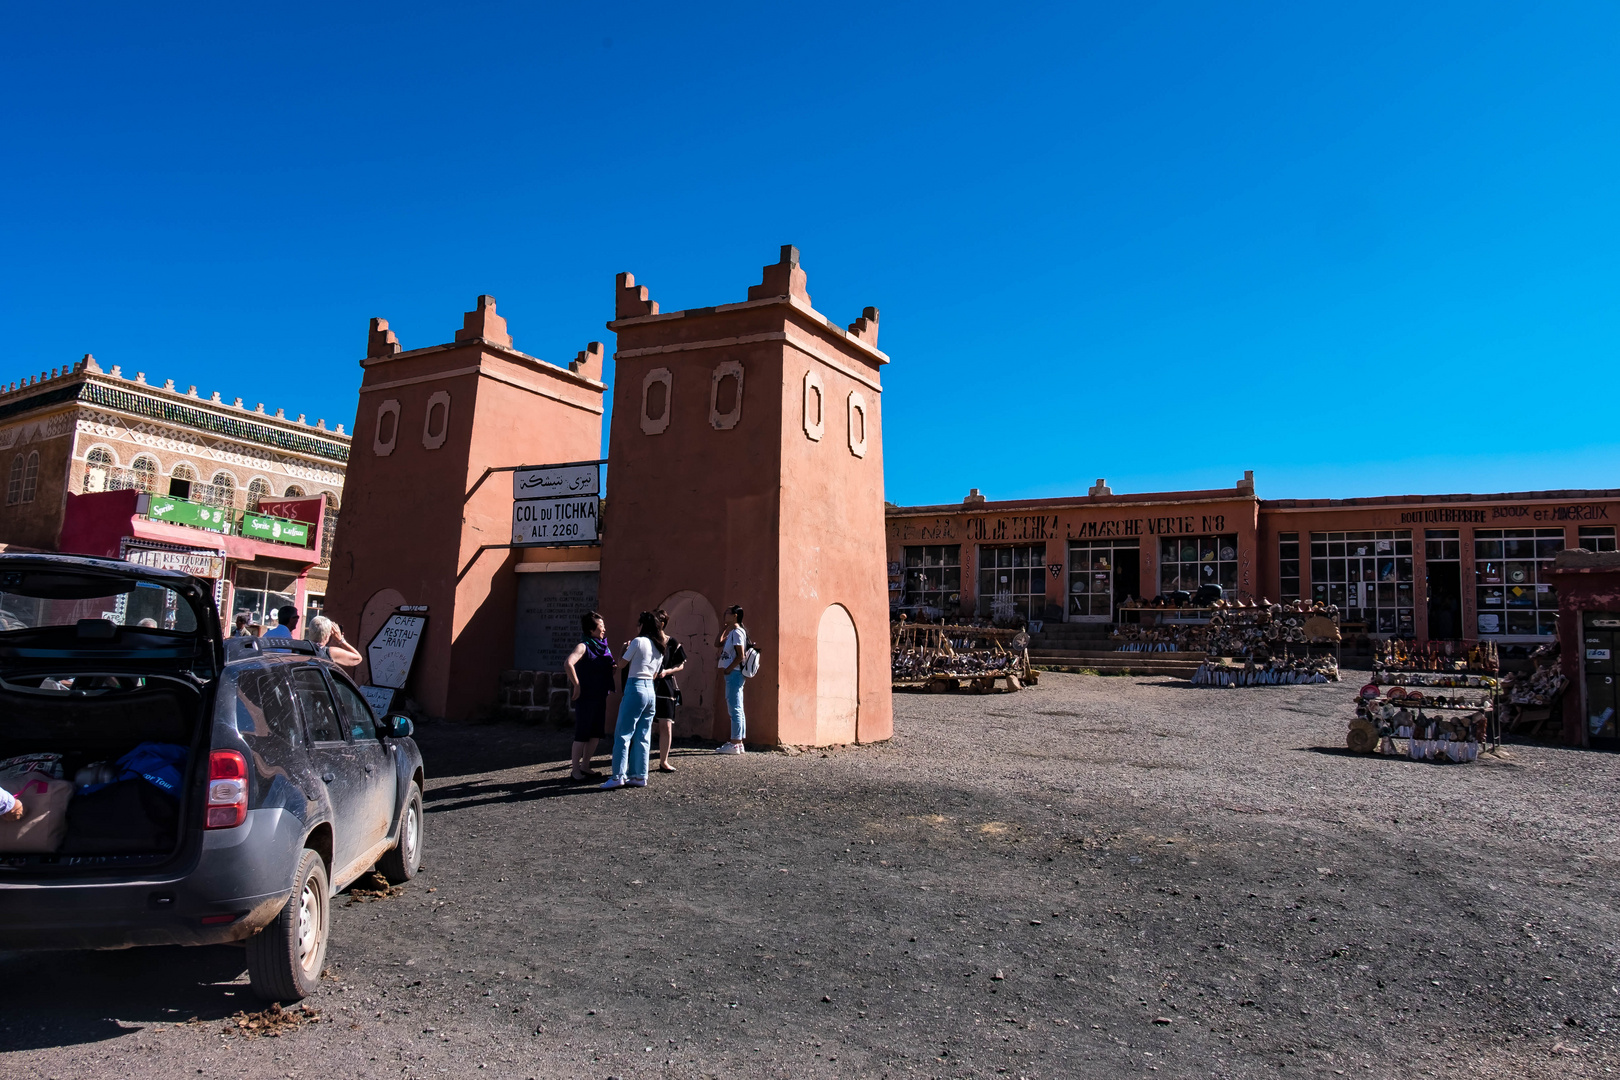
{"points": [[588, 774], [664, 766]]}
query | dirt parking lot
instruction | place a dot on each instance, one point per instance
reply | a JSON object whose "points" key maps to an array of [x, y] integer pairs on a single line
{"points": [[1097, 877]]}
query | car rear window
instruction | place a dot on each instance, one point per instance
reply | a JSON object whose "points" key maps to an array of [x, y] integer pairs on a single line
{"points": [[32, 599]]}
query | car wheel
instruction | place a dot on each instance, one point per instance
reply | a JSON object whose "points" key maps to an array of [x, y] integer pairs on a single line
{"points": [[405, 858], [285, 958]]}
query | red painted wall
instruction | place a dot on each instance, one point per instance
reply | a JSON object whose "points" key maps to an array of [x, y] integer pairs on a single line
{"points": [[416, 518], [755, 513]]}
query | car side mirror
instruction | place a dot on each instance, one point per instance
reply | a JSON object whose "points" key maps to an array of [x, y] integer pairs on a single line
{"points": [[398, 727]]}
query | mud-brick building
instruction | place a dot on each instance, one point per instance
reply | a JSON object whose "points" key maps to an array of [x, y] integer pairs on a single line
{"points": [[95, 462]]}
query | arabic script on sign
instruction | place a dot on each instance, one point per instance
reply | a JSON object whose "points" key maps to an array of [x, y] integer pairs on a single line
{"points": [[556, 482]]}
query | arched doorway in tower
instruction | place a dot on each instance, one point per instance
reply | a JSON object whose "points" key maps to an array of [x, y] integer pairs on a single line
{"points": [[694, 624], [838, 688]]}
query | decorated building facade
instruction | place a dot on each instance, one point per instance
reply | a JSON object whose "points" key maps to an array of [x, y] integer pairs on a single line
{"points": [[99, 463]]}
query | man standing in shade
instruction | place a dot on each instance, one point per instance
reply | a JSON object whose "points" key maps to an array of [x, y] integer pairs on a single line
{"points": [[286, 623]]}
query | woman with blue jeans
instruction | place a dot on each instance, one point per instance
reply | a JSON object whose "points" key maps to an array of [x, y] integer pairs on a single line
{"points": [[642, 659], [733, 646]]}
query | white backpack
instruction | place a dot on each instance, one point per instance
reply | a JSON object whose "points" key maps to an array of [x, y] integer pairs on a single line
{"points": [[750, 664]]}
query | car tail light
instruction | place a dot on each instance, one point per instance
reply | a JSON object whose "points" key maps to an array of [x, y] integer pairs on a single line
{"points": [[227, 789]]}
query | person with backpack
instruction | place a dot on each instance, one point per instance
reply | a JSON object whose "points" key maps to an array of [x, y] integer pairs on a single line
{"points": [[733, 646], [668, 691], [641, 661]]}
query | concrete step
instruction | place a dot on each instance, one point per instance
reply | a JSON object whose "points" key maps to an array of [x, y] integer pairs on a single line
{"points": [[1178, 669], [1109, 654]]}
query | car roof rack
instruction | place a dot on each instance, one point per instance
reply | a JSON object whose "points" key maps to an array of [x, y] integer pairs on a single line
{"points": [[238, 648]]}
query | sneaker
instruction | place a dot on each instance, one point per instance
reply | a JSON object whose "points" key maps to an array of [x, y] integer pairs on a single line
{"points": [[730, 748], [636, 781], [612, 782]]}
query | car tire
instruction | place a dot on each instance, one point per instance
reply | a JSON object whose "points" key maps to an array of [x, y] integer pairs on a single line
{"points": [[285, 958], [402, 861]]}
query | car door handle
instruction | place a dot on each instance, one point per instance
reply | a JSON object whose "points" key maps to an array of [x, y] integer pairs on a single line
{"points": [[327, 778]]}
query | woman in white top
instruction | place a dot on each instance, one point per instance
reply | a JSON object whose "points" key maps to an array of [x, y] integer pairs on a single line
{"points": [[733, 646], [642, 659]]}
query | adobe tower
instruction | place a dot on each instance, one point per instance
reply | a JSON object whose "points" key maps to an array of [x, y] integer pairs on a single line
{"points": [[747, 468], [423, 522]]}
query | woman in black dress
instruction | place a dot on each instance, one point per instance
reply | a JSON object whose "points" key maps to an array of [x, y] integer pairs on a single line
{"points": [[590, 675], [668, 692]]}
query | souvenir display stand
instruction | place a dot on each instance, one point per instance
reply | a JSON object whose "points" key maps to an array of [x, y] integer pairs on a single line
{"points": [[1531, 699], [944, 658], [1440, 679], [1441, 716], [1268, 645], [1157, 628]]}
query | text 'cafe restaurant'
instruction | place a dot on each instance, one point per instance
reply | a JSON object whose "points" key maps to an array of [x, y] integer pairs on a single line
{"points": [[1428, 567]]}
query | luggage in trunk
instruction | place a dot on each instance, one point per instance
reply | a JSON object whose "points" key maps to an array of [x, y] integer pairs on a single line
{"points": [[140, 811]]}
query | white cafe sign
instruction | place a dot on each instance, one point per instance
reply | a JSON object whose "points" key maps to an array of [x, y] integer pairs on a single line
{"points": [[393, 650]]}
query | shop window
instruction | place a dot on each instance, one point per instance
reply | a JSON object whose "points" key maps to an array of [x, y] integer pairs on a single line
{"points": [[1012, 582], [1597, 537], [99, 464], [146, 474], [223, 491], [1198, 560], [1513, 581], [1288, 565], [933, 577], [1441, 545], [181, 479], [258, 490], [328, 527], [1094, 569], [260, 593], [1368, 575], [30, 477]]}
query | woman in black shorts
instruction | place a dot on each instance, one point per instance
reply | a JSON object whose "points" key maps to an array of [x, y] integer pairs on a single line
{"points": [[590, 671], [667, 692]]}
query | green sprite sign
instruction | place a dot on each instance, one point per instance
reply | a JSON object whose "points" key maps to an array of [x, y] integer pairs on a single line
{"points": [[274, 529], [184, 512], [221, 520]]}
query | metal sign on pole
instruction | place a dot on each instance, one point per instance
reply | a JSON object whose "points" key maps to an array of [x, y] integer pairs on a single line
{"points": [[556, 505]]}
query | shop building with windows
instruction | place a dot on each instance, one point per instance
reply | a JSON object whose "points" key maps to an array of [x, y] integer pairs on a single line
{"points": [[1426, 567], [97, 463]]}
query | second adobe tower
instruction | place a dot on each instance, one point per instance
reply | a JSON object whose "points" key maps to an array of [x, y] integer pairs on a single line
{"points": [[747, 468]]}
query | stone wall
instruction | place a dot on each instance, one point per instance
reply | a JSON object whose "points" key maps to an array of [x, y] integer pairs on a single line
{"points": [[534, 697]]}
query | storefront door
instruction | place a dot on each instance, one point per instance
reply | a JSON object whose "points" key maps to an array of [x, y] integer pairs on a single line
{"points": [[1442, 551], [1599, 671], [1102, 573]]}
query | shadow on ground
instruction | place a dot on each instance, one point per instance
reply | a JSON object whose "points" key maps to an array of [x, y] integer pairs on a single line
{"points": [[66, 998]]}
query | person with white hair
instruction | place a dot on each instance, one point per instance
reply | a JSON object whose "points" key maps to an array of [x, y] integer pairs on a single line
{"points": [[330, 643]]}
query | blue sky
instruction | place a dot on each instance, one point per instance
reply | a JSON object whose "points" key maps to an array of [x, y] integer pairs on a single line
{"points": [[1369, 249]]}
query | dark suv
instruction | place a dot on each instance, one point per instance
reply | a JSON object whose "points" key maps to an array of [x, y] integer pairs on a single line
{"points": [[222, 790]]}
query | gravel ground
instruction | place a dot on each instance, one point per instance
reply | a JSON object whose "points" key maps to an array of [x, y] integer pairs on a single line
{"points": [[1095, 877]]}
